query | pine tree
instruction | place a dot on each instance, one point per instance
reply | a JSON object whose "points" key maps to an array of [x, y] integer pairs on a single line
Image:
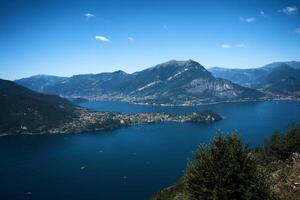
{"points": [[225, 170]]}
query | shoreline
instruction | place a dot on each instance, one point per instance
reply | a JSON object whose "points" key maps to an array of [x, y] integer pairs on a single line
{"points": [[200, 104], [91, 121], [159, 121]]}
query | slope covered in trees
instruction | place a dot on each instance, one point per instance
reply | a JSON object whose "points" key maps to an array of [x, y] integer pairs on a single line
{"points": [[23, 109], [228, 169]]}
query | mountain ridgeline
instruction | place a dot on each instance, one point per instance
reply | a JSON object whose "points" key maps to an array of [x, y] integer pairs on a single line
{"points": [[27, 112], [172, 82], [277, 79]]}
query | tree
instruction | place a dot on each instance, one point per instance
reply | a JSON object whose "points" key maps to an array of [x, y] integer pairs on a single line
{"points": [[225, 170], [281, 146]]}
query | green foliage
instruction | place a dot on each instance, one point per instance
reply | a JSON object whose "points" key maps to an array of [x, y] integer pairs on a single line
{"points": [[174, 192], [281, 146], [226, 170], [21, 107]]}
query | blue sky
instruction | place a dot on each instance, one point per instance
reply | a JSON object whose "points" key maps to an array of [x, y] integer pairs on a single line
{"points": [[75, 37]]}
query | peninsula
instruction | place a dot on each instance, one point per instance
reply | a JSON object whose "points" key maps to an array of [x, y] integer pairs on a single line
{"points": [[28, 112]]}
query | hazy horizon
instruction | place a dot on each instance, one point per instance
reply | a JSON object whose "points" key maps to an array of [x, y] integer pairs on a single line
{"points": [[144, 69], [66, 38]]}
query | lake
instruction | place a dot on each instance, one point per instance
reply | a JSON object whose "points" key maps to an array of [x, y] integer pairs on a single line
{"points": [[128, 163]]}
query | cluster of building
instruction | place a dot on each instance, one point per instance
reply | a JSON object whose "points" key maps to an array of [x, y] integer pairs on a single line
{"points": [[97, 121]]}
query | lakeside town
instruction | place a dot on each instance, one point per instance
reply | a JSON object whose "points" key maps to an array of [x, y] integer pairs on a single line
{"points": [[144, 101], [99, 121]]}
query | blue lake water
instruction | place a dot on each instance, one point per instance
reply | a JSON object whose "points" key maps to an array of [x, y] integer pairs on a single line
{"points": [[128, 163]]}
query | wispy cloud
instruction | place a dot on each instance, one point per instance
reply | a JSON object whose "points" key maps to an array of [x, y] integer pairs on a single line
{"points": [[247, 19], [298, 30], [102, 38], [262, 13], [290, 10], [225, 46], [88, 15], [241, 45], [131, 39]]}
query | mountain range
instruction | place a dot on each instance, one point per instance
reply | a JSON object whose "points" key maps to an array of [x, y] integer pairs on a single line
{"points": [[279, 79], [27, 112], [173, 82]]}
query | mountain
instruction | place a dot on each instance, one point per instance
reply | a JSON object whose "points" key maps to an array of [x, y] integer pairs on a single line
{"points": [[183, 82], [39, 82], [293, 64], [172, 82], [27, 112], [87, 85], [244, 77], [23, 109], [280, 78]]}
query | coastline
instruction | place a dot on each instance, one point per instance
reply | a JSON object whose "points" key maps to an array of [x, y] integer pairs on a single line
{"points": [[70, 129], [196, 104], [91, 121]]}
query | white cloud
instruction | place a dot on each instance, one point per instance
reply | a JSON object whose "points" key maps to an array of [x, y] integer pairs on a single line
{"points": [[241, 45], [262, 13], [298, 30], [225, 46], [102, 38], [290, 10], [88, 15], [131, 39], [248, 20]]}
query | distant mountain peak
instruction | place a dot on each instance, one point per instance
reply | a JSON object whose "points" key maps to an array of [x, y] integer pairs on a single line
{"points": [[171, 82], [292, 64], [277, 78], [119, 72], [38, 76], [179, 64]]}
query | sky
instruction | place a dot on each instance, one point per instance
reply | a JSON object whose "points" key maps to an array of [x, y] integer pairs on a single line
{"points": [[68, 37]]}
